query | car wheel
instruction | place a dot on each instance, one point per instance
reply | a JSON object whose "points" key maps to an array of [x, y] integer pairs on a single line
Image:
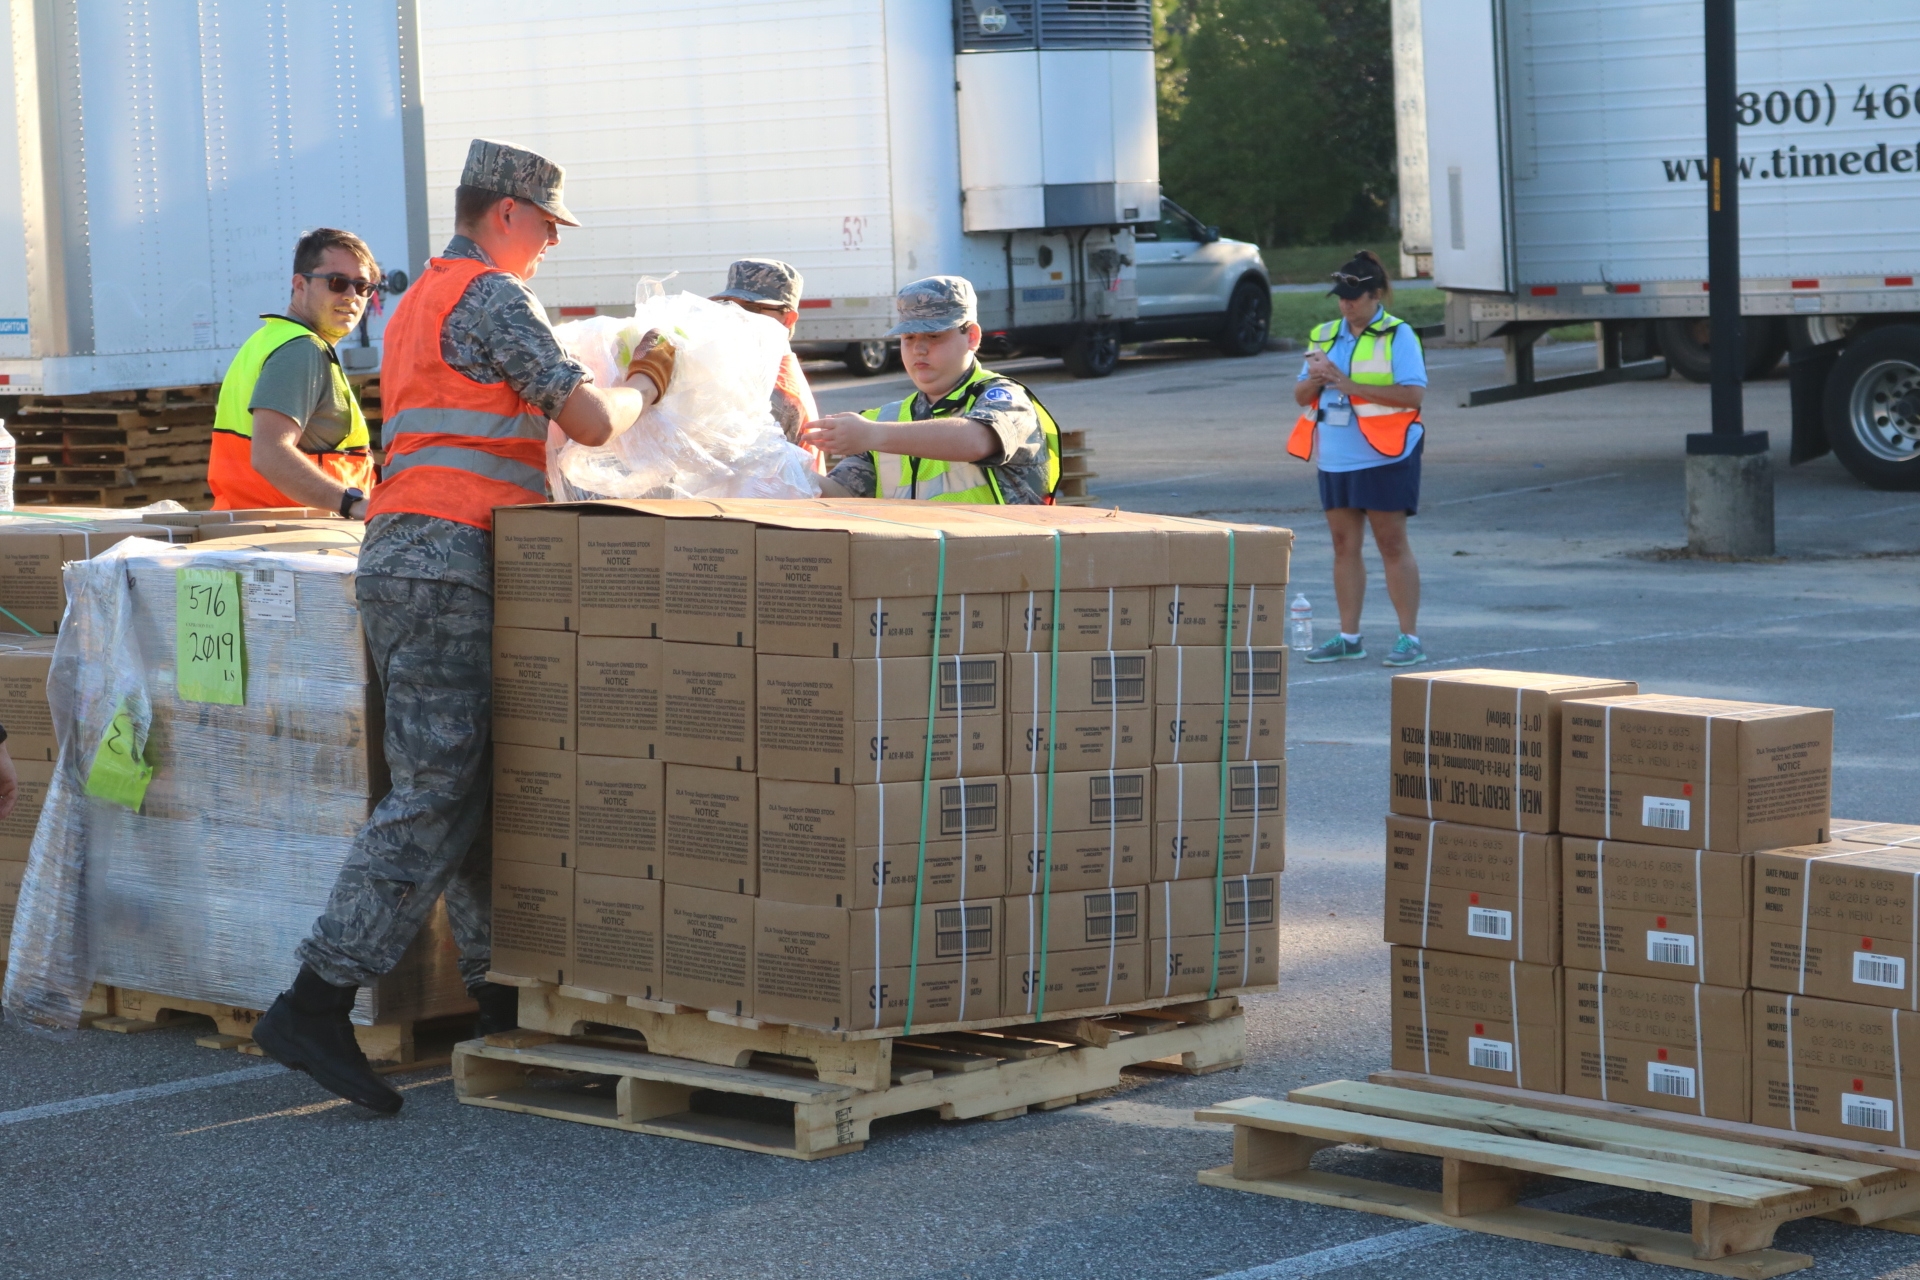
{"points": [[1872, 407], [1093, 353], [1688, 346], [1249, 311], [867, 359]]}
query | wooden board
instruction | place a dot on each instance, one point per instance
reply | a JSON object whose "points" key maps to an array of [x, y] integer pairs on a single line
{"points": [[1839, 1148], [130, 1012], [655, 1093]]}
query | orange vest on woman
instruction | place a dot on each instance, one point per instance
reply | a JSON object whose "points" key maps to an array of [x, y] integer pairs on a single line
{"points": [[456, 448]]}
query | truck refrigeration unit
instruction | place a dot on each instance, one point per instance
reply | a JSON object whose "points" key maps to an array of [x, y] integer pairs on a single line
{"points": [[169, 156], [1565, 161]]}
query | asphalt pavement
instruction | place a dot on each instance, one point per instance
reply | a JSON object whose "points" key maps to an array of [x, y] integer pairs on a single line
{"points": [[1548, 539]]}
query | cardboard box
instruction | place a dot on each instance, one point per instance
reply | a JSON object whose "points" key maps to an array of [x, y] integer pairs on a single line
{"points": [[1088, 682], [616, 935], [534, 675], [1473, 890], [620, 562], [11, 874], [1457, 757], [820, 844], [194, 519], [865, 720], [1081, 860], [1192, 616], [1181, 936], [903, 627], [1075, 919], [1084, 978], [706, 582], [712, 826], [534, 791], [1858, 831], [618, 696], [532, 920], [1696, 772], [536, 568], [1118, 738], [1193, 733], [706, 706], [1102, 830], [23, 699], [1672, 1046], [1849, 910], [1188, 833], [1090, 620], [707, 949], [1475, 1018], [1834, 1068], [1090, 549], [1679, 914], [31, 554], [1191, 676], [841, 969], [619, 816], [1092, 800], [16, 829]]}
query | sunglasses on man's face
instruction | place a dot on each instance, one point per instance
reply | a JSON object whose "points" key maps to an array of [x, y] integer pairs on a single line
{"points": [[340, 283]]}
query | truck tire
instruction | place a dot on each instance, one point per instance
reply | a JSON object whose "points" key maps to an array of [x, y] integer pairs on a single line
{"points": [[867, 359], [1685, 345], [1249, 311], [1872, 407], [1093, 353]]}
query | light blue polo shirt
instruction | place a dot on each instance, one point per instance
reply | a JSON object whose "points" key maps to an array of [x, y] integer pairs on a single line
{"points": [[1342, 447]]}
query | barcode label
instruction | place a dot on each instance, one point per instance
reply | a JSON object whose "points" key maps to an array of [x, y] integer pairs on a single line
{"points": [[1669, 1079], [1490, 1055], [1666, 815], [1670, 948], [267, 595], [1866, 1113], [1870, 970], [1485, 922]]}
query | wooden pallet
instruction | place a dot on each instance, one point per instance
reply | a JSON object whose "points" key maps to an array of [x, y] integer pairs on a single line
{"points": [[191, 494], [129, 1012], [1076, 469], [783, 1104], [1740, 1192], [859, 1059], [187, 449]]}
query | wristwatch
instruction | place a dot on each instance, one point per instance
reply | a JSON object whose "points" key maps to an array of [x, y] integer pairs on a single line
{"points": [[347, 500]]}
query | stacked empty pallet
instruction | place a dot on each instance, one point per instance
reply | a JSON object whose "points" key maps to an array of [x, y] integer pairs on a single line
{"points": [[873, 766], [114, 449]]}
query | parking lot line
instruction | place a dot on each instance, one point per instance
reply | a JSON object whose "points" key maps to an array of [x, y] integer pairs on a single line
{"points": [[1538, 488], [48, 1110]]}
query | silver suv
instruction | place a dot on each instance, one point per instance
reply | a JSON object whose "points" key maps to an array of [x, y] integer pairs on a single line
{"points": [[1193, 283]]}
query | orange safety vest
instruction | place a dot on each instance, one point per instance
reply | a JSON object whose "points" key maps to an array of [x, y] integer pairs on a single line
{"points": [[237, 486], [456, 448], [1383, 426]]}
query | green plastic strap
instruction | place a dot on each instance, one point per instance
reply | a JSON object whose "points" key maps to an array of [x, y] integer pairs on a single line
{"points": [[11, 614], [1053, 725], [1226, 716], [926, 791]]}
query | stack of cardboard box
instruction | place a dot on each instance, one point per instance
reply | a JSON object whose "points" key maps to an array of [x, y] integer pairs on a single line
{"points": [[731, 772], [31, 744]]}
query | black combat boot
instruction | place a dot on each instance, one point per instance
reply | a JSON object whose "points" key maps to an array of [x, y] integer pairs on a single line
{"points": [[499, 1007], [309, 1029]]}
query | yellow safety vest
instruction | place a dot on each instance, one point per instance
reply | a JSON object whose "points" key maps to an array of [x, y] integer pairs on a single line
{"points": [[1383, 426], [896, 475], [236, 390]]}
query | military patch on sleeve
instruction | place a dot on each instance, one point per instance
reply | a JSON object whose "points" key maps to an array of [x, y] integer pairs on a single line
{"points": [[997, 395]]}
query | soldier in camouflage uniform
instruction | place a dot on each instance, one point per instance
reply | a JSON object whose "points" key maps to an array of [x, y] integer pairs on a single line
{"points": [[771, 288], [472, 375], [966, 435]]}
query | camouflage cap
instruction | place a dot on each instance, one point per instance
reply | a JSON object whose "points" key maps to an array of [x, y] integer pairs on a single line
{"points": [[513, 171], [763, 280], [934, 305]]}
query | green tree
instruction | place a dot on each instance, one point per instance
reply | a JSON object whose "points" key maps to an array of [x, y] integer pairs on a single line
{"points": [[1276, 116]]}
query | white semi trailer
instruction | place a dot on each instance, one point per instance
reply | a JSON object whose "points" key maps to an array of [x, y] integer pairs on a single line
{"points": [[1565, 160], [171, 152]]}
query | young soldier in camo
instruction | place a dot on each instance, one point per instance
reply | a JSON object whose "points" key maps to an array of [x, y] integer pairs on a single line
{"points": [[966, 435], [471, 376]]}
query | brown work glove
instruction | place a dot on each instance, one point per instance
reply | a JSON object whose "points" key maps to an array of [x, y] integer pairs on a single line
{"points": [[653, 357]]}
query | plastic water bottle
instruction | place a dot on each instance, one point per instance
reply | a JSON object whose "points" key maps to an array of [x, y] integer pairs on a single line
{"points": [[6, 467], [1300, 624]]}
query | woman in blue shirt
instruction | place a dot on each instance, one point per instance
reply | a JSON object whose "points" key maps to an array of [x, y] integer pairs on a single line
{"points": [[1360, 485]]}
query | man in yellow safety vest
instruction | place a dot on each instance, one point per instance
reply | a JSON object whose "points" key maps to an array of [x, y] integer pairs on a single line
{"points": [[288, 431], [966, 435]]}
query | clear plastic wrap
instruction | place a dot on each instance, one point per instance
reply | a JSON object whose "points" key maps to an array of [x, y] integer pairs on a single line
{"points": [[713, 434], [205, 892]]}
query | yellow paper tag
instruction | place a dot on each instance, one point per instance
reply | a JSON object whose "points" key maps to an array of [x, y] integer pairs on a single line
{"points": [[117, 774], [210, 664]]}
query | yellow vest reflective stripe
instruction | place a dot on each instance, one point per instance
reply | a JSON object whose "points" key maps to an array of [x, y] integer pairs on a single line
{"points": [[935, 480], [236, 389]]}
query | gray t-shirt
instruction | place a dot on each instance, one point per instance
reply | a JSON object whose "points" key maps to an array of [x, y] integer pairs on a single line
{"points": [[297, 380]]}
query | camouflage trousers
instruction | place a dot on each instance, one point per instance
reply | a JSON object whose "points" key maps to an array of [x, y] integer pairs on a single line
{"points": [[432, 646]]}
